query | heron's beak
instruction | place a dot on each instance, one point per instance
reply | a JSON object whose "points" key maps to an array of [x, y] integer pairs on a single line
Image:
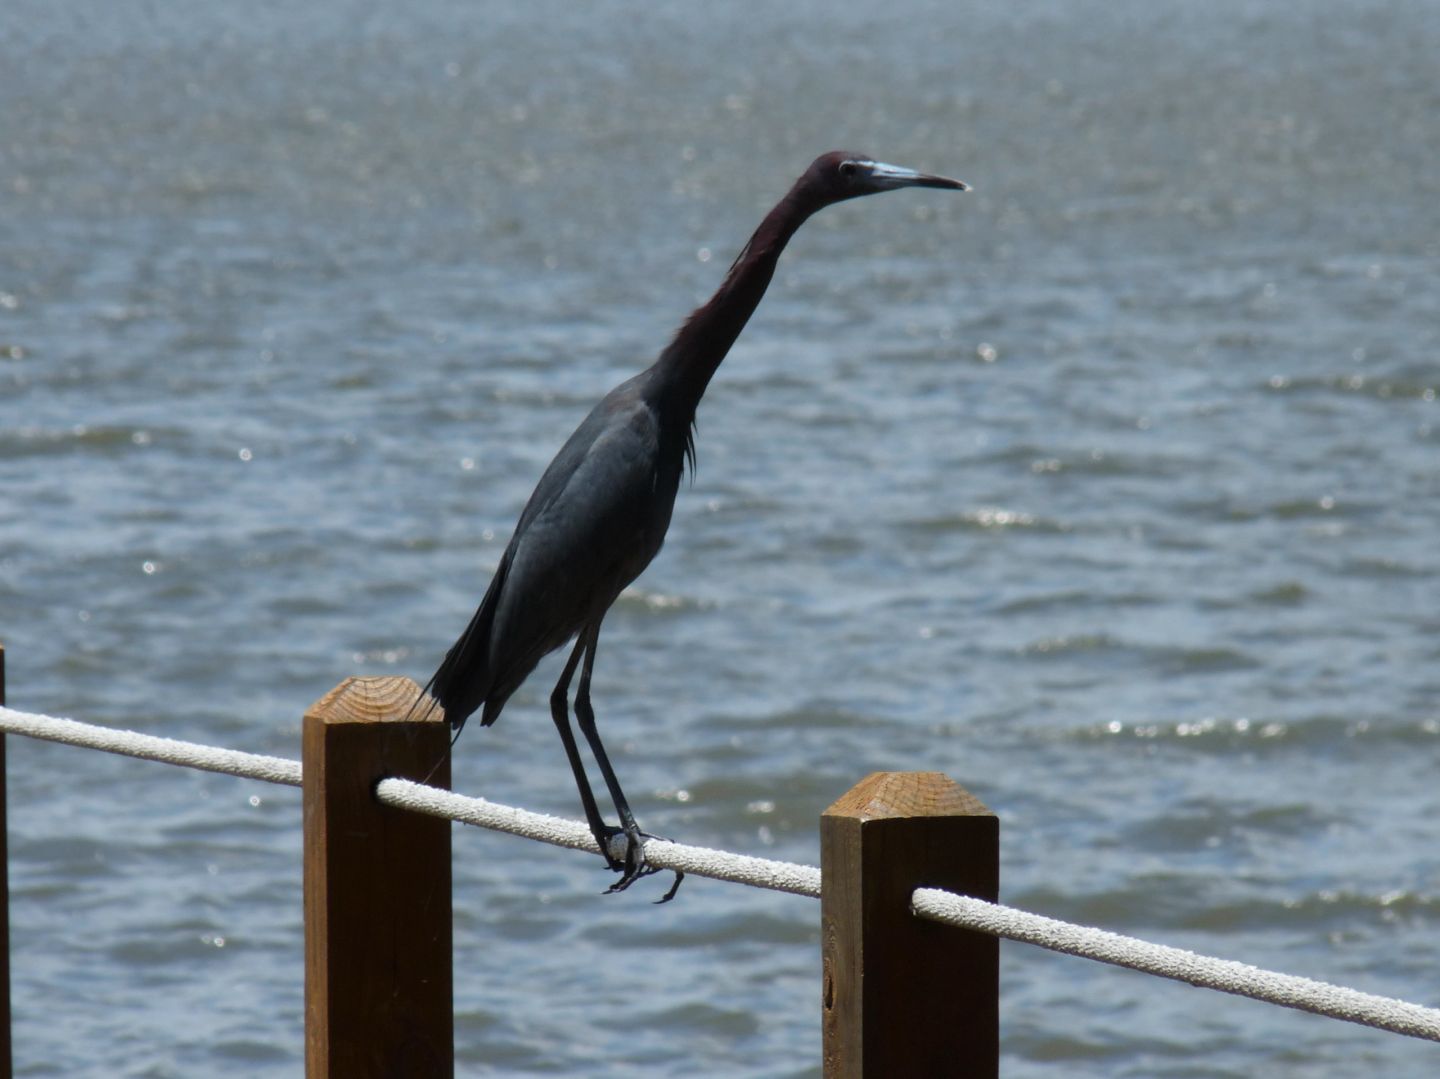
{"points": [[890, 176]]}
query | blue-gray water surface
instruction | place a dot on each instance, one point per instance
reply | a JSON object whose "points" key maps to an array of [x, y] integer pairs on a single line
{"points": [[1108, 489]]}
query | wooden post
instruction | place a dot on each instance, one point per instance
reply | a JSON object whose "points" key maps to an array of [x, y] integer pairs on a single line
{"points": [[6, 1057], [904, 996], [377, 890]]}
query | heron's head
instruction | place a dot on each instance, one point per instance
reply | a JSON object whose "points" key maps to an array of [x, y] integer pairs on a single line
{"points": [[841, 175]]}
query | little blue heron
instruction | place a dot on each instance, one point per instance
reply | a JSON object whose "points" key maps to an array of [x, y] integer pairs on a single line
{"points": [[600, 511]]}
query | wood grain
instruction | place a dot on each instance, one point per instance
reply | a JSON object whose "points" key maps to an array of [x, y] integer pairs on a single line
{"points": [[6, 1056], [903, 996], [378, 983]]}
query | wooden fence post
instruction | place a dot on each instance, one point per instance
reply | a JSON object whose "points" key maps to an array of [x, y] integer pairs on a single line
{"points": [[378, 986], [7, 1063], [902, 995]]}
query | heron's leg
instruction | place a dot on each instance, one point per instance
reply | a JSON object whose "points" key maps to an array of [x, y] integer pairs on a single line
{"points": [[560, 712], [635, 866], [585, 715]]}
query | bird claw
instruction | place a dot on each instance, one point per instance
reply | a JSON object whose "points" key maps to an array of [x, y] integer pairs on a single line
{"points": [[634, 866]]}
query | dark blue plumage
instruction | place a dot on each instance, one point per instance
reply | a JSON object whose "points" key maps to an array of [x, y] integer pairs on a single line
{"points": [[600, 512]]}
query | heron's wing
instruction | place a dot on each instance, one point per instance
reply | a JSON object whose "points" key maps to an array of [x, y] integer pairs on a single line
{"points": [[596, 520]]}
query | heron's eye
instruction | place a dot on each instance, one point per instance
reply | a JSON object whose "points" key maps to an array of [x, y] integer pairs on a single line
{"points": [[847, 169]]}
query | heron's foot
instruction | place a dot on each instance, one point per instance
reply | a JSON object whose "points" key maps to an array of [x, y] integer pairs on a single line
{"points": [[603, 838], [634, 866]]}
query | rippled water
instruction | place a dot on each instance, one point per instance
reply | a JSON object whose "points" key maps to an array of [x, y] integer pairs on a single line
{"points": [[1109, 489]]}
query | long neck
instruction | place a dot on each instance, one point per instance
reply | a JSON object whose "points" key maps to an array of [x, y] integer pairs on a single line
{"points": [[685, 367]]}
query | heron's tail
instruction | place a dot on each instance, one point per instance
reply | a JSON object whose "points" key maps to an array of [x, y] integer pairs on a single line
{"points": [[464, 679]]}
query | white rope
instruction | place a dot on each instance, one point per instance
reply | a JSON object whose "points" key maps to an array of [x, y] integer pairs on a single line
{"points": [[661, 853], [1286, 990], [702, 861], [150, 748], [1334, 1001]]}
